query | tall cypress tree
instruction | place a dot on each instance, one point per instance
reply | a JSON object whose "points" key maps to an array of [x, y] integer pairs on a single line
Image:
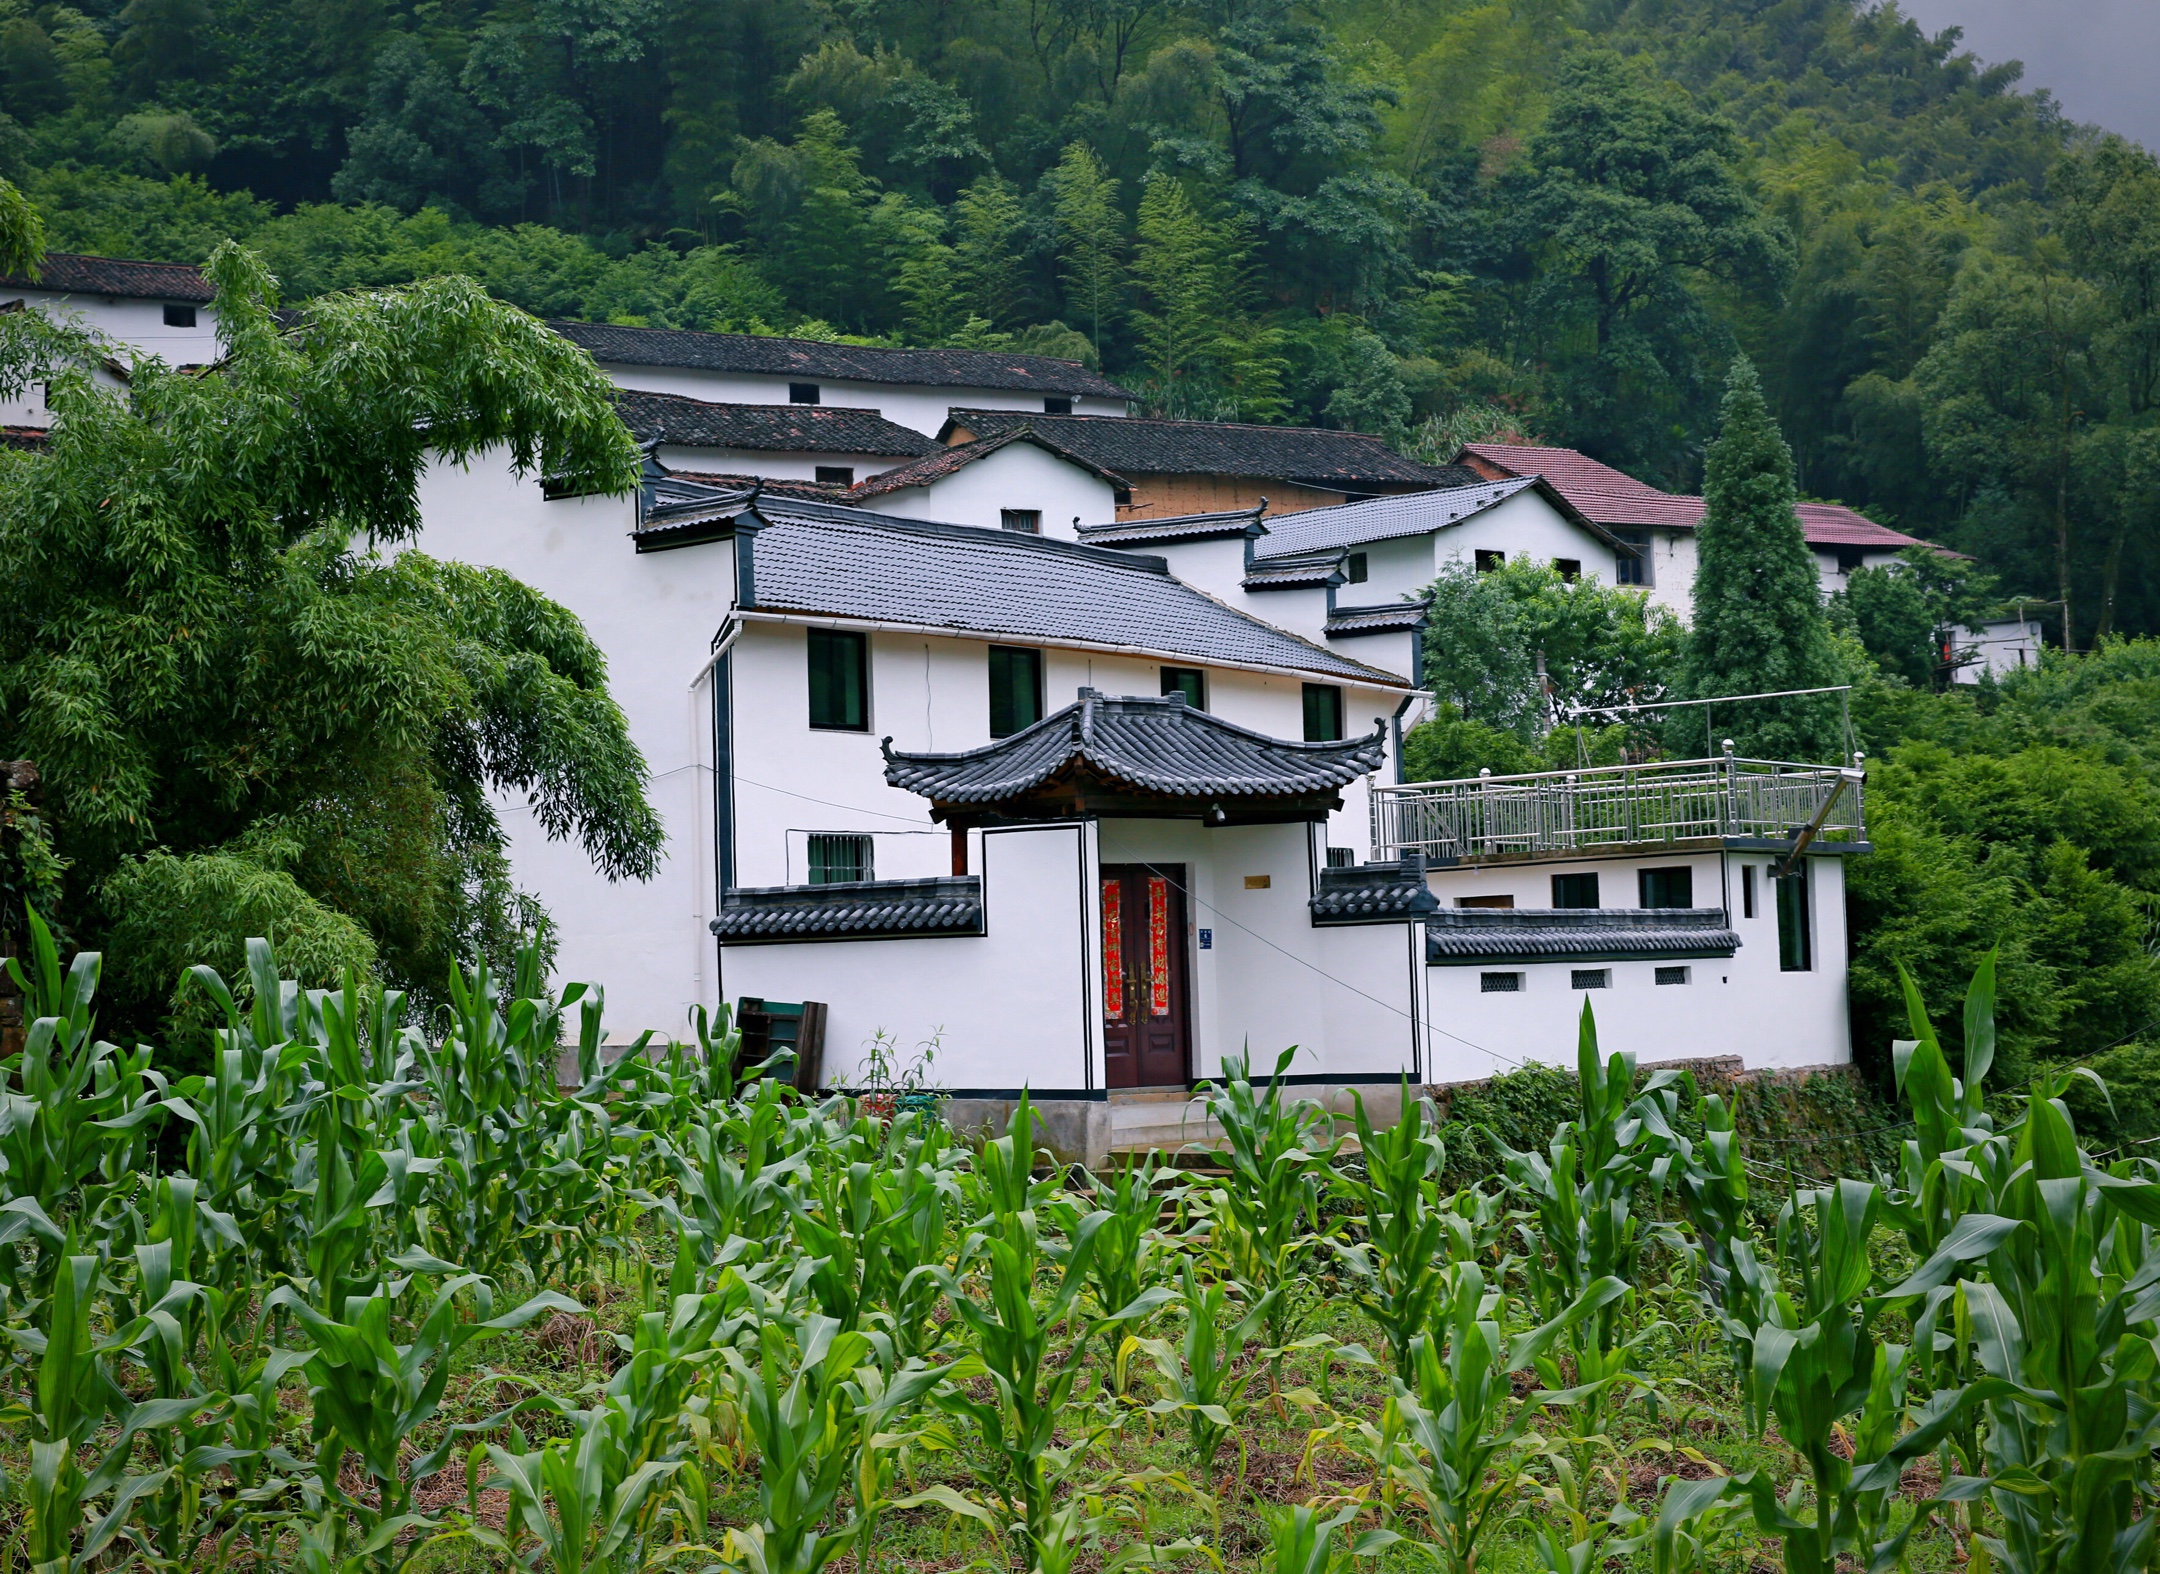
{"points": [[1758, 625]]}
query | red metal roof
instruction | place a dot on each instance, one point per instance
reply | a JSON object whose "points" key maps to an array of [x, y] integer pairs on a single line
{"points": [[1616, 499]]}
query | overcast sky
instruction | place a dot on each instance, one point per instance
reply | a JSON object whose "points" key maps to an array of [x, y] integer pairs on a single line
{"points": [[2100, 58]]}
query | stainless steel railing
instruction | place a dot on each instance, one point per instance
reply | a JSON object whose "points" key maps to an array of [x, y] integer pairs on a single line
{"points": [[1615, 806]]}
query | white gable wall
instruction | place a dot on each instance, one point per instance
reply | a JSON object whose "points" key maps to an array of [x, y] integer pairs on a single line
{"points": [[135, 324], [654, 615], [917, 405], [1019, 475], [763, 462]]}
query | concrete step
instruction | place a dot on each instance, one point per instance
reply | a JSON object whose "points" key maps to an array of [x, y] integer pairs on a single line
{"points": [[1177, 1093]]}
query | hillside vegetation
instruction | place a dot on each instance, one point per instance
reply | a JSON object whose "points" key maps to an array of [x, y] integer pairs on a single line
{"points": [[1421, 218]]}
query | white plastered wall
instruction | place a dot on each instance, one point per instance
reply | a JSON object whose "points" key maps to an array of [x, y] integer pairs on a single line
{"points": [[1017, 1005], [1019, 475], [654, 615], [1523, 526], [760, 462], [1739, 1005], [909, 404], [131, 323]]}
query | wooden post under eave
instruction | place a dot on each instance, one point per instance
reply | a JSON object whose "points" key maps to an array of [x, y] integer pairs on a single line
{"points": [[959, 850]]}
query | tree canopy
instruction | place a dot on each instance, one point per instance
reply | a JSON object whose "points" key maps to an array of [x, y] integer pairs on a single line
{"points": [[245, 701]]}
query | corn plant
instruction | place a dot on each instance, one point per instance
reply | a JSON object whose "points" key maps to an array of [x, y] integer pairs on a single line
{"points": [[1301, 1542], [1132, 1256], [1199, 1372], [2061, 1329], [1022, 1468], [808, 1426], [583, 1504], [1815, 1363], [371, 1395], [1399, 1268], [1451, 1437], [1584, 1226], [1267, 1208]]}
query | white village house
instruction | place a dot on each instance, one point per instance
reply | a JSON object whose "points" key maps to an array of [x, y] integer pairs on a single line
{"points": [[967, 718]]}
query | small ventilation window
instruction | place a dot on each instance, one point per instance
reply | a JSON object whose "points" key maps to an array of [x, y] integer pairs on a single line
{"points": [[1591, 977], [1488, 559], [1672, 975], [802, 393], [1499, 983], [1632, 567], [1354, 568], [1850, 558], [836, 475], [1568, 568], [179, 316], [1485, 901], [1057, 404], [1021, 521], [1747, 890], [836, 858], [1342, 858], [1323, 713]]}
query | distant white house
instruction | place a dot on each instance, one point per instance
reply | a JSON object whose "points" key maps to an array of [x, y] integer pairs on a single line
{"points": [[160, 308], [1661, 526], [915, 388]]}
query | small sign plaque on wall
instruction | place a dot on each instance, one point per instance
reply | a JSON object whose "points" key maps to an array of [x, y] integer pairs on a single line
{"points": [[1207, 939], [1259, 882]]}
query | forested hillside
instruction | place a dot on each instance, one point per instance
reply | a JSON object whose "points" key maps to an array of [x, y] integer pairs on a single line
{"points": [[1423, 218]]}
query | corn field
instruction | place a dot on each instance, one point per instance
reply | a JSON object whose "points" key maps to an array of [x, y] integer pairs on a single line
{"points": [[368, 1296]]}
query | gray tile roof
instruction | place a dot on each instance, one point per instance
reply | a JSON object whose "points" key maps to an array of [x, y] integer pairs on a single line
{"points": [[812, 358], [773, 428], [1466, 936], [940, 462], [1298, 571], [1373, 893], [1137, 446], [832, 561], [1398, 617], [852, 910], [1154, 745], [1382, 518], [75, 274], [1175, 527]]}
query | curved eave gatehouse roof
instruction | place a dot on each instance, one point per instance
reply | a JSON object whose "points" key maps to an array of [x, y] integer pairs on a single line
{"points": [[1156, 747]]}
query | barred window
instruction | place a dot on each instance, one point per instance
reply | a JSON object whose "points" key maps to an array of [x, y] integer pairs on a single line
{"points": [[1499, 983], [1591, 977], [835, 857]]}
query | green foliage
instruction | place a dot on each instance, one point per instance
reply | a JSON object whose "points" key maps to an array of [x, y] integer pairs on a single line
{"points": [[1908, 614], [201, 635], [1601, 645], [1758, 626]]}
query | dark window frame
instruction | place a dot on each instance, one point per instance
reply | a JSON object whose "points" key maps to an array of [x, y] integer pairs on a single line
{"points": [[848, 647], [1747, 890], [1004, 691], [1057, 404], [1795, 927], [1357, 568], [804, 393], [836, 475], [1021, 521], [179, 315], [1500, 983], [1633, 568], [1188, 681], [1647, 881], [1342, 858], [1486, 560], [1590, 978], [1327, 725], [1568, 568], [1568, 888], [1674, 975]]}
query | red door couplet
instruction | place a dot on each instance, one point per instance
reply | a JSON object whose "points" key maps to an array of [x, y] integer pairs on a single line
{"points": [[1145, 1034]]}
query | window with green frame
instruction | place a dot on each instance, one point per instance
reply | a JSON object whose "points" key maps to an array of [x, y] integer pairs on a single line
{"points": [[1188, 681], [1016, 689], [1323, 713], [839, 680]]}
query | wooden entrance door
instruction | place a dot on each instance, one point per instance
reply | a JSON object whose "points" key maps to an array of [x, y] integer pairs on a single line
{"points": [[1145, 1035]]}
